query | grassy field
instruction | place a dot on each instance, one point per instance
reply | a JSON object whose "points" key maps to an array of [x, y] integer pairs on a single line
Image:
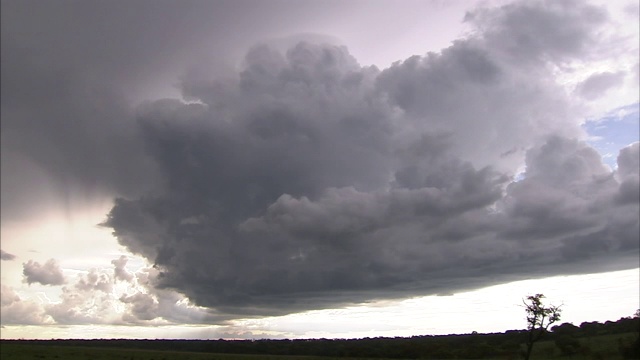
{"points": [[24, 352], [603, 347]]}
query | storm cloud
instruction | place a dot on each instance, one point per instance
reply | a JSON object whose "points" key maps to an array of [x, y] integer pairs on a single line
{"points": [[309, 181], [302, 179]]}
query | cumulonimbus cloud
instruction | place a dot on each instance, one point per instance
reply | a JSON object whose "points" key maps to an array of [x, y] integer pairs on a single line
{"points": [[308, 180]]}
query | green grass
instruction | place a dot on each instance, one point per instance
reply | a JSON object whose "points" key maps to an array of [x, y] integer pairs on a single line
{"points": [[603, 347], [24, 352]]}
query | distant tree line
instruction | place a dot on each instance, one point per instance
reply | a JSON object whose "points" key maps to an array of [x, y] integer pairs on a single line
{"points": [[509, 344]]}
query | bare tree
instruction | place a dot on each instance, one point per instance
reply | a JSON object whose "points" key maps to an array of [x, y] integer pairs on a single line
{"points": [[539, 318]]}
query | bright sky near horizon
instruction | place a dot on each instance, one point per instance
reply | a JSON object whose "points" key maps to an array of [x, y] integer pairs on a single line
{"points": [[286, 169]]}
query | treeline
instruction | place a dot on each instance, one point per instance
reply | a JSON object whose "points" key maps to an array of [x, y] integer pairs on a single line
{"points": [[467, 346]]}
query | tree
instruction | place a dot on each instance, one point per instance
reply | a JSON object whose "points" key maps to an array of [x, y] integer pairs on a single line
{"points": [[565, 329], [539, 318]]}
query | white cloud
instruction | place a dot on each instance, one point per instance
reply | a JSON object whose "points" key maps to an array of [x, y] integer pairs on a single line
{"points": [[14, 310], [119, 271]]}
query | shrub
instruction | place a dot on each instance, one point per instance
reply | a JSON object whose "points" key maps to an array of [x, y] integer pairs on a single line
{"points": [[567, 345], [629, 349]]}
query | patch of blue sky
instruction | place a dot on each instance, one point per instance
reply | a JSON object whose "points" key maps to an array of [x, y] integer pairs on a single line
{"points": [[615, 130]]}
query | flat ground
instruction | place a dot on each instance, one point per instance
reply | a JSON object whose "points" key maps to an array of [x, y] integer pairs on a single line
{"points": [[24, 352], [604, 347]]}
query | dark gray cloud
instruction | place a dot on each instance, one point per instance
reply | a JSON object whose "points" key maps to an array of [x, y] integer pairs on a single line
{"points": [[472, 94], [302, 179], [629, 161], [64, 107], [629, 174], [49, 273], [568, 190], [307, 180], [6, 256], [143, 307], [72, 73]]}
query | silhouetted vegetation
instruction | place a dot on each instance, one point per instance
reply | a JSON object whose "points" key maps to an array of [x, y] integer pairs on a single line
{"points": [[563, 340], [539, 318]]}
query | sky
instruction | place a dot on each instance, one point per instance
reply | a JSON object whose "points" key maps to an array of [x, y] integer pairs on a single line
{"points": [[338, 169]]}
